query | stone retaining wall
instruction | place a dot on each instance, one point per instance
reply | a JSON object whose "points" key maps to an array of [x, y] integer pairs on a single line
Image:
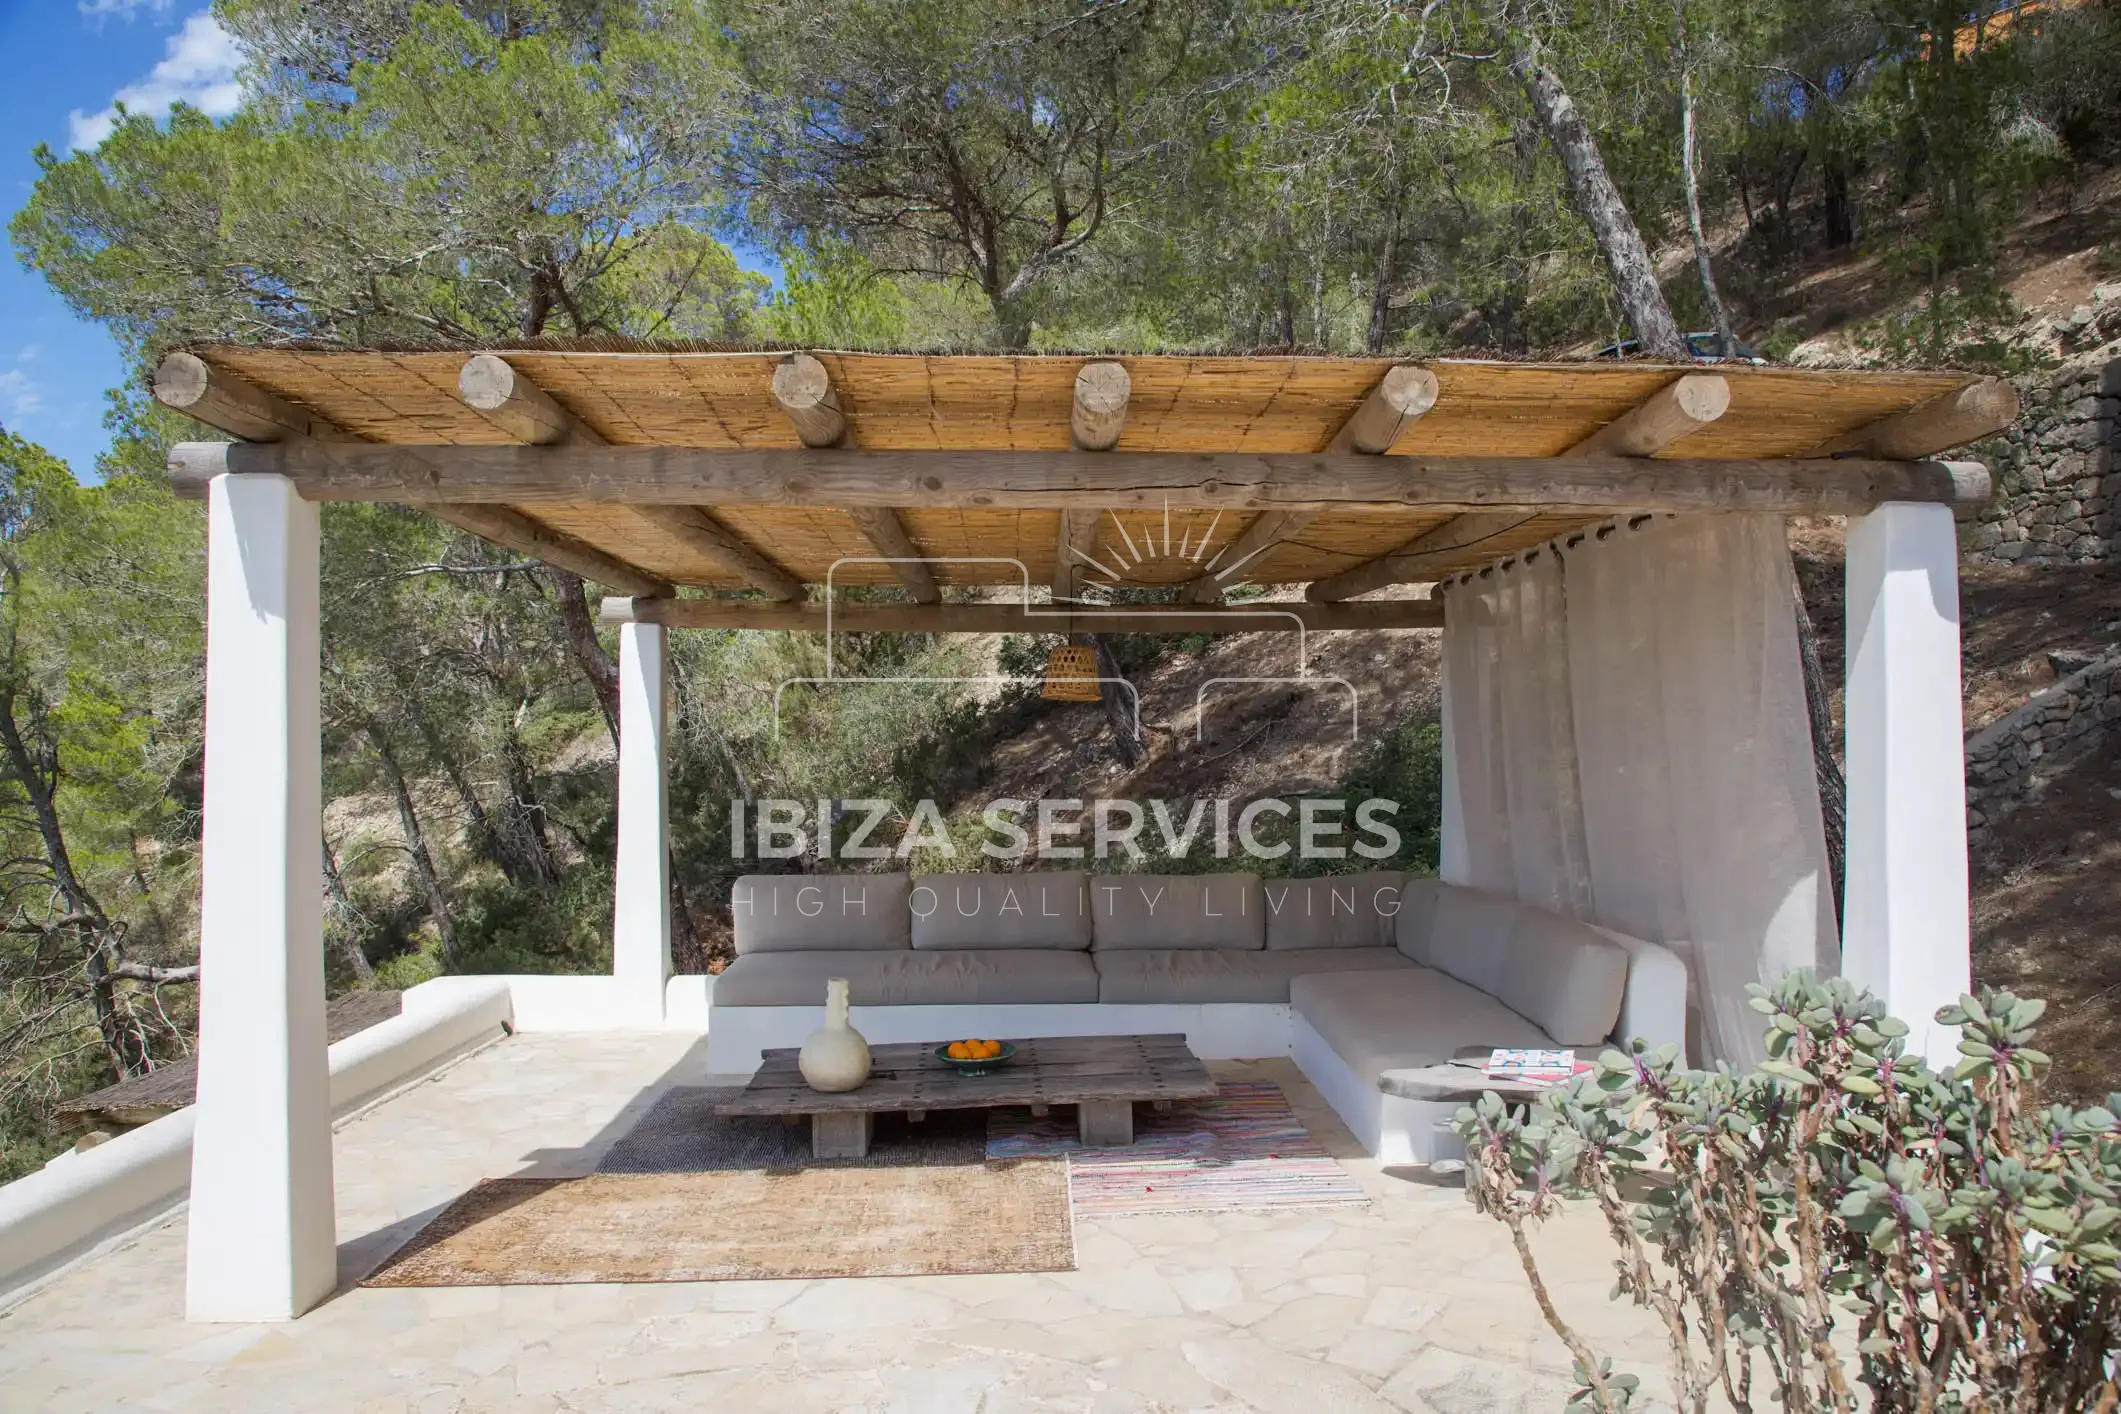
{"points": [[2009, 761], [2058, 474]]}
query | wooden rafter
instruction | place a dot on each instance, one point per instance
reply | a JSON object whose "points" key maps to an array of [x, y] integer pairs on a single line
{"points": [[803, 391], [1965, 415], [1078, 533], [888, 534], [1014, 618], [1401, 397], [1679, 409], [528, 413], [520, 475], [1682, 407], [706, 535], [240, 408], [1098, 413]]}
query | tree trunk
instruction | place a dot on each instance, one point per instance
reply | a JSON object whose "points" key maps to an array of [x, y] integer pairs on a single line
{"points": [[423, 864], [1318, 278], [339, 931], [523, 832], [124, 1039], [1718, 315], [1839, 203], [687, 954], [1118, 702], [1598, 199], [1833, 786], [584, 646], [1381, 296]]}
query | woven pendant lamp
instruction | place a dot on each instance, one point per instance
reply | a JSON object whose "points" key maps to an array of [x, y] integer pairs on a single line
{"points": [[1071, 674]]}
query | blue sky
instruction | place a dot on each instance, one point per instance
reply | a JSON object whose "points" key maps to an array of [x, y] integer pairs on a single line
{"points": [[73, 59]]}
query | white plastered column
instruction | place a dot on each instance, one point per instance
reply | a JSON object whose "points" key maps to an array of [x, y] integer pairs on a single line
{"points": [[640, 952], [262, 1241], [1905, 930]]}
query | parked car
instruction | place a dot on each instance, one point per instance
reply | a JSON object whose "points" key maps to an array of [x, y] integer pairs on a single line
{"points": [[1702, 346]]}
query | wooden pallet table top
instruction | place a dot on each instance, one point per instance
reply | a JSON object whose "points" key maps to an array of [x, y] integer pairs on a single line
{"points": [[1048, 1070]]}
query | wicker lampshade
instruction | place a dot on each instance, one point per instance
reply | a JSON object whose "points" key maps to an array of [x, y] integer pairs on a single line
{"points": [[1071, 674]]}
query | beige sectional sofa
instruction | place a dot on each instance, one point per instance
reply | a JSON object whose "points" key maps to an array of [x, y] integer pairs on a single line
{"points": [[1350, 974]]}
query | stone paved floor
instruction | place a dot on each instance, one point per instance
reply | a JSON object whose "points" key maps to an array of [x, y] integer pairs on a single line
{"points": [[1412, 1304]]}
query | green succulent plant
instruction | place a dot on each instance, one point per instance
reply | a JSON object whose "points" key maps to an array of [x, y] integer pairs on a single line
{"points": [[1842, 1227]]}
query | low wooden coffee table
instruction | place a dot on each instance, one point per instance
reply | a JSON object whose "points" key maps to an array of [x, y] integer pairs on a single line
{"points": [[1102, 1076]]}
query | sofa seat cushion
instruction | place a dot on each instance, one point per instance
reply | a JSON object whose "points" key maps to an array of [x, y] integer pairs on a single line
{"points": [[1157, 912], [1042, 910], [1339, 911], [776, 913], [949, 977], [1413, 1016], [1194, 975]]}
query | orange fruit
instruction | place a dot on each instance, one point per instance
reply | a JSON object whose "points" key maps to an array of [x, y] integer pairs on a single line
{"points": [[957, 1050]]}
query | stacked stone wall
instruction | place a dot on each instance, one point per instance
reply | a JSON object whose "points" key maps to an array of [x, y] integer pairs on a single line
{"points": [[2057, 473], [2011, 760]]}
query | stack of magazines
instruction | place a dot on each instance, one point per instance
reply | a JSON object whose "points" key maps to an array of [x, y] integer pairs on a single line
{"points": [[1533, 1067]]}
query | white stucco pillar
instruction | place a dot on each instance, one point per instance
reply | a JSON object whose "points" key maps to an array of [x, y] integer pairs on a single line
{"points": [[640, 951], [262, 1240], [1905, 930], [1451, 863]]}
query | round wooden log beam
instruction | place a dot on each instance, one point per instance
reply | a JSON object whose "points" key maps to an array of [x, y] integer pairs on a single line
{"points": [[1100, 411], [803, 389]]}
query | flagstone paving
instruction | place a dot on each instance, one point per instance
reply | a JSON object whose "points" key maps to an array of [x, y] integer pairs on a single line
{"points": [[1413, 1304]]}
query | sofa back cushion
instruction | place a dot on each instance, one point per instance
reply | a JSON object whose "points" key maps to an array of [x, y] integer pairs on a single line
{"points": [[1470, 938], [1415, 923], [1001, 911], [819, 912], [1565, 976], [1342, 911], [1177, 911]]}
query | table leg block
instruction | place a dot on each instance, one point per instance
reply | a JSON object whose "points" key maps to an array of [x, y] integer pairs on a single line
{"points": [[1104, 1124], [842, 1135]]}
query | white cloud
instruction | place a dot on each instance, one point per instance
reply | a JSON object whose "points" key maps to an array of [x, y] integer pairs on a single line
{"points": [[198, 68], [124, 9], [19, 394]]}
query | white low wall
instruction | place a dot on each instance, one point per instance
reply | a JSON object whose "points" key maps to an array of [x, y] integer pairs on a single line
{"points": [[50, 1217]]}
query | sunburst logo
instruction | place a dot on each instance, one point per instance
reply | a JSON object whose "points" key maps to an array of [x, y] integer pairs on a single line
{"points": [[1155, 553]]}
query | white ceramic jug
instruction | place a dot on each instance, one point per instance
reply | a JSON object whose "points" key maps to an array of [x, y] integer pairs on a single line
{"points": [[835, 1058]]}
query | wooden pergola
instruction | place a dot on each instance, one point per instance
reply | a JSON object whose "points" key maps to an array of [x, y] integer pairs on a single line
{"points": [[983, 494], [759, 477]]}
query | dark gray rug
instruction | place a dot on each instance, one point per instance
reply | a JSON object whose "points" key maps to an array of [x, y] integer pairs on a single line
{"points": [[681, 1133]]}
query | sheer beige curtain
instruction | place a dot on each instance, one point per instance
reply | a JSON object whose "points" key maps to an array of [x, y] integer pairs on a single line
{"points": [[1638, 751]]}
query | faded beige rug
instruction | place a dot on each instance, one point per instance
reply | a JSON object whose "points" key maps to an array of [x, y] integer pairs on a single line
{"points": [[745, 1226]]}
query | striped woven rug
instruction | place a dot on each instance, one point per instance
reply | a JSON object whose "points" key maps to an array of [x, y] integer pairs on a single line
{"points": [[1243, 1149]]}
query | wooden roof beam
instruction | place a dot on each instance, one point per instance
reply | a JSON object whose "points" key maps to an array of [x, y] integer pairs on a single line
{"points": [[1405, 393], [1018, 480], [1680, 408], [1013, 618], [234, 405], [526, 412], [491, 385], [1964, 415], [1099, 412], [705, 535], [1419, 557], [1096, 418], [1071, 551], [803, 391]]}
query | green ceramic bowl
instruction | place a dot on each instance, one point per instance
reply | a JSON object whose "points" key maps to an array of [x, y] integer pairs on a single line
{"points": [[975, 1067]]}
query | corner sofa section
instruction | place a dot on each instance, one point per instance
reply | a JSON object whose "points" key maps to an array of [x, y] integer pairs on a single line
{"points": [[1352, 975]]}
